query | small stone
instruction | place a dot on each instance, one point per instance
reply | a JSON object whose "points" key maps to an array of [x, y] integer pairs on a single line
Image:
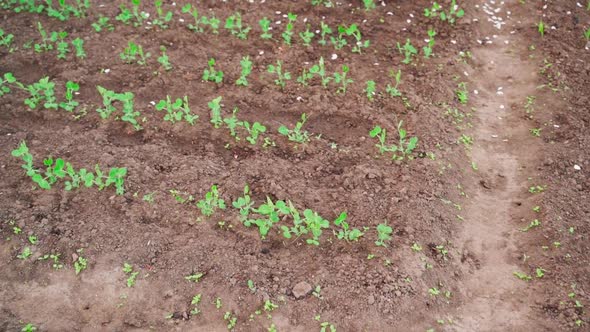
{"points": [[301, 289], [371, 299]]}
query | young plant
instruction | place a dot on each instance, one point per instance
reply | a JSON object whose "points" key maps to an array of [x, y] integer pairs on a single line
{"points": [[359, 44], [177, 111], [541, 28], [244, 204], [41, 92], [288, 33], [462, 93], [320, 70], [428, 48], [346, 233], [339, 41], [162, 19], [196, 27], [453, 14], [254, 131], [128, 269], [586, 34], [6, 79], [127, 15], [59, 169], [6, 40], [126, 99], [369, 4], [403, 148], [134, 53], [341, 78], [62, 47], [103, 24], [78, 44], [325, 30], [212, 75], [408, 51], [282, 77], [315, 224], [370, 90], [393, 91], [307, 36], [164, 60], [234, 25], [80, 264], [231, 320], [383, 234], [215, 107], [296, 134], [233, 123], [211, 202], [265, 26], [213, 22], [246, 65], [46, 40], [70, 104]]}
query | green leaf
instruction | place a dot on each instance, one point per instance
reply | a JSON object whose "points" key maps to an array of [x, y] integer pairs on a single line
{"points": [[376, 131]]}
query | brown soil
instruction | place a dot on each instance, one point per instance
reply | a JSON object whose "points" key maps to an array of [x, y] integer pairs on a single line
{"points": [[475, 215]]}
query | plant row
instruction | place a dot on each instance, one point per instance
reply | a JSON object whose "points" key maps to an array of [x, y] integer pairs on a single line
{"points": [[272, 215]]}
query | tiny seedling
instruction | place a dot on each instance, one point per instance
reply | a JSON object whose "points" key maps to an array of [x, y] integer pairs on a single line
{"points": [[244, 204], [231, 320], [196, 26], [25, 254], [404, 147], [246, 65], [288, 33], [194, 277], [307, 36], [29, 328], [339, 40], [164, 60], [320, 70], [210, 74], [282, 77], [428, 48], [125, 99], [370, 90], [369, 4], [126, 16], [325, 30], [393, 91], [211, 202], [522, 276], [265, 27], [342, 79], [103, 24], [80, 264], [234, 24], [383, 234], [128, 269], [213, 23], [533, 224], [408, 51], [6, 40], [70, 104], [133, 53], [586, 33], [162, 19], [462, 93], [177, 111], [254, 131], [541, 28], [195, 302], [535, 132], [296, 134], [251, 286], [359, 44], [78, 44], [215, 107], [346, 233]]}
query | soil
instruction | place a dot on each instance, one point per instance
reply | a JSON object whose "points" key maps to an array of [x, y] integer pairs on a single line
{"points": [[477, 215]]}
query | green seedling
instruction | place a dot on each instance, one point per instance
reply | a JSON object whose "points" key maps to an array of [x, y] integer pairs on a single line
{"points": [[234, 25], [254, 131], [149, 198], [305, 77], [384, 232], [46, 40], [244, 204], [246, 65], [408, 51], [534, 224], [29, 328], [541, 28], [434, 291], [370, 90], [32, 239], [211, 202], [346, 233], [359, 44], [177, 111], [462, 93], [369, 4], [296, 134], [62, 46], [586, 34], [282, 77], [327, 327], [215, 107], [164, 60], [269, 306], [535, 132], [213, 23], [522, 276], [78, 44], [393, 91], [251, 286], [218, 303], [314, 223], [264, 24], [194, 277], [288, 33], [127, 15], [428, 48], [128, 269], [6, 79], [70, 104], [210, 74], [325, 3], [41, 93], [6, 40], [320, 70], [537, 189], [271, 211], [342, 79], [540, 272], [231, 320], [80, 264], [339, 40], [25, 254], [451, 16], [196, 26], [307, 36], [162, 19], [103, 24], [195, 302], [126, 99], [233, 123], [416, 247], [325, 30], [133, 53], [317, 292], [57, 265], [404, 147]]}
